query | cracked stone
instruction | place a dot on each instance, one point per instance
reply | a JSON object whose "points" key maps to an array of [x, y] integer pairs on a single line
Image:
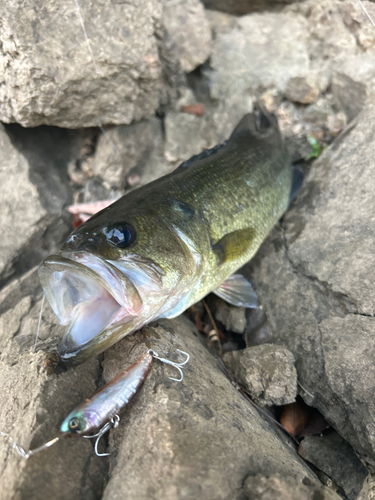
{"points": [[336, 458], [123, 84], [267, 372], [177, 440], [317, 289]]}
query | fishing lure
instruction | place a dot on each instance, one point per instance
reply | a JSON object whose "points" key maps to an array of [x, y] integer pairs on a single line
{"points": [[98, 414]]}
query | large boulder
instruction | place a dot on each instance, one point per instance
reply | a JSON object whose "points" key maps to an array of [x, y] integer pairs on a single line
{"points": [[33, 400], [196, 439], [50, 75], [78, 64], [315, 276]]}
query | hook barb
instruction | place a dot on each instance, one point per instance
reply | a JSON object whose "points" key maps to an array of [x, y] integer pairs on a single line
{"points": [[113, 423], [178, 366]]}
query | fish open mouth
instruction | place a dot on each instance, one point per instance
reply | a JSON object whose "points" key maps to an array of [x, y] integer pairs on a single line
{"points": [[87, 294]]}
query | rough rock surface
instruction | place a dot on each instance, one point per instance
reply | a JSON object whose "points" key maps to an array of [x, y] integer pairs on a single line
{"points": [[175, 439], [186, 24], [33, 402], [267, 372], [328, 50], [17, 194], [276, 487], [312, 63], [336, 458], [124, 83], [127, 150], [232, 317], [314, 276], [189, 127], [115, 75], [196, 439], [34, 189], [262, 50]]}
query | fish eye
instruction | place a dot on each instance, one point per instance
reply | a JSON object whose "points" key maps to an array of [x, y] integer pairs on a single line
{"points": [[121, 234], [75, 424]]}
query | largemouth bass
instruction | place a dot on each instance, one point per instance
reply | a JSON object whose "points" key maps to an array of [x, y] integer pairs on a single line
{"points": [[166, 245]]}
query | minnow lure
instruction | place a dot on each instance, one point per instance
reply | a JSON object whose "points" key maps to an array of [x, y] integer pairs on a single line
{"points": [[98, 414]]}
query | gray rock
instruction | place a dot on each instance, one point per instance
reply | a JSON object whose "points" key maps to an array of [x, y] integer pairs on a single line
{"points": [[268, 48], [276, 487], [95, 190], [267, 372], [305, 90], [299, 90], [319, 111], [173, 440], [18, 194], [193, 440], [342, 35], [187, 26], [260, 51], [336, 458], [185, 136], [48, 74], [120, 149], [348, 95], [34, 400], [257, 330], [314, 277], [232, 317]]}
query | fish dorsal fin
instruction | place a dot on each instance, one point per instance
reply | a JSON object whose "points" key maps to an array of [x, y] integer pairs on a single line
{"points": [[297, 180], [234, 245], [201, 156], [237, 290]]}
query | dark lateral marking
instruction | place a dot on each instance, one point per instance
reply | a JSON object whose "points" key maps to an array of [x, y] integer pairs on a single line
{"points": [[234, 245]]}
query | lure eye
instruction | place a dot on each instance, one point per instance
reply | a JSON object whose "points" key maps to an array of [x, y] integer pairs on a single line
{"points": [[74, 424], [121, 235]]}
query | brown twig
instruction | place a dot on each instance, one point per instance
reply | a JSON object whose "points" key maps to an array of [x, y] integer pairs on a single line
{"points": [[213, 338]]}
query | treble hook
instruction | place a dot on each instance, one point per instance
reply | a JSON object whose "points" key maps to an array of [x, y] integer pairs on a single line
{"points": [[113, 423], [178, 366]]}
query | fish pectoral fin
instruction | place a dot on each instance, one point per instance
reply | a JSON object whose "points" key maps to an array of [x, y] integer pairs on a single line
{"points": [[238, 291], [234, 245]]}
